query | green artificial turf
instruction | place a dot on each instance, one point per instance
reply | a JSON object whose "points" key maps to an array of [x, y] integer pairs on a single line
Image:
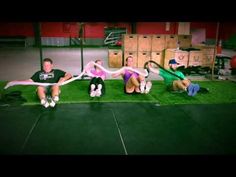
{"points": [[77, 92]]}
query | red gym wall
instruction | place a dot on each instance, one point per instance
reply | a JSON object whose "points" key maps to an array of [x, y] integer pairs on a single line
{"points": [[209, 26], [59, 29], [156, 28], [96, 29], [227, 30], [16, 29]]}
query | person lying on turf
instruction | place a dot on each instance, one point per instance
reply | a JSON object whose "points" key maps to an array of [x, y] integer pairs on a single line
{"points": [[174, 83]]}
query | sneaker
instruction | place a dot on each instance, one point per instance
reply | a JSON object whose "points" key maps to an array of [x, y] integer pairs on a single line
{"points": [[56, 98], [44, 102], [98, 92], [148, 87], [142, 87], [92, 93], [190, 89], [196, 88], [52, 103]]}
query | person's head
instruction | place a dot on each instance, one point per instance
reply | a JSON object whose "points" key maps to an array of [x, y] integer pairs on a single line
{"points": [[98, 62], [129, 61], [47, 65], [173, 64]]}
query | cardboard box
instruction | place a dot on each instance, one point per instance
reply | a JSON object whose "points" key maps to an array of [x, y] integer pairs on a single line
{"points": [[195, 58], [180, 56]]}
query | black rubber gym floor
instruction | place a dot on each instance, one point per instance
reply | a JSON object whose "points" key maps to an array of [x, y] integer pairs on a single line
{"points": [[118, 129]]}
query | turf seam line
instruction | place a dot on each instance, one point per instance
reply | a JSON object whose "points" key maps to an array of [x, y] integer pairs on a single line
{"points": [[122, 141], [30, 132]]}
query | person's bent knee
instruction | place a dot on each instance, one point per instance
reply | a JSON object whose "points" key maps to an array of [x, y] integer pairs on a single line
{"points": [[186, 82], [141, 78]]}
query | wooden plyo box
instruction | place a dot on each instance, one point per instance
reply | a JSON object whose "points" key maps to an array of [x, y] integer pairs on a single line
{"points": [[157, 56], [144, 43], [158, 42], [115, 58], [142, 58], [130, 42], [171, 41], [185, 41]]}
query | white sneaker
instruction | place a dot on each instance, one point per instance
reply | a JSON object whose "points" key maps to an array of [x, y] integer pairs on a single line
{"points": [[148, 87], [98, 92], [52, 103], [142, 86], [92, 93], [56, 98], [44, 102]]}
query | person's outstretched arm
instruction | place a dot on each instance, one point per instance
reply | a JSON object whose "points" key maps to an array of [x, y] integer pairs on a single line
{"points": [[156, 71], [65, 78], [118, 74]]}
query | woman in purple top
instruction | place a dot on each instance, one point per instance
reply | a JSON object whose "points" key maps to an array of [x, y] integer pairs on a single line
{"points": [[133, 81], [97, 85]]}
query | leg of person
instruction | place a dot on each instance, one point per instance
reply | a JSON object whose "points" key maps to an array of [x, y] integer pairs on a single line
{"points": [[55, 89], [187, 85], [192, 88], [183, 85], [186, 82], [100, 87], [179, 85], [142, 82], [92, 87], [41, 92], [148, 87], [130, 87], [196, 88], [135, 81], [99, 90]]}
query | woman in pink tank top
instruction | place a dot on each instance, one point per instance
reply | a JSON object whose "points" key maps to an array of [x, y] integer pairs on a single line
{"points": [[97, 85]]}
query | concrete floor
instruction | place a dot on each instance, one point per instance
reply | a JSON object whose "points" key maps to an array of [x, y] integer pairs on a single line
{"points": [[21, 63]]}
